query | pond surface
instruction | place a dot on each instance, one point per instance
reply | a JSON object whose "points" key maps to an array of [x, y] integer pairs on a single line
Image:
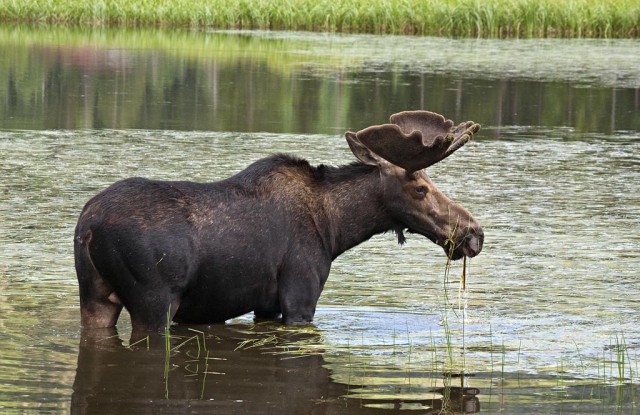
{"points": [[550, 321]]}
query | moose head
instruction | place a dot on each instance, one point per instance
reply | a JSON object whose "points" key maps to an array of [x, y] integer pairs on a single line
{"points": [[402, 150]]}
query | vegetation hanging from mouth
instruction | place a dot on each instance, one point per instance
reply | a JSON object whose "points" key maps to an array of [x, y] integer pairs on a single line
{"points": [[400, 234], [451, 249]]}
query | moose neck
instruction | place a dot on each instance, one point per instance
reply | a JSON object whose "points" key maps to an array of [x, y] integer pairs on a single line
{"points": [[354, 208]]}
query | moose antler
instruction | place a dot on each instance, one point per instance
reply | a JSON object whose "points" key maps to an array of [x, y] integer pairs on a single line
{"points": [[416, 139]]}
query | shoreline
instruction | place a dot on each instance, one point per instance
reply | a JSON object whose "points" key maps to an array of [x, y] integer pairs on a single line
{"points": [[458, 18]]}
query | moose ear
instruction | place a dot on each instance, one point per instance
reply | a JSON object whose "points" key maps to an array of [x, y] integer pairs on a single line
{"points": [[361, 152]]}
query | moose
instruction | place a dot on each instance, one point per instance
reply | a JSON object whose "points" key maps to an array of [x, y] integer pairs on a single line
{"points": [[263, 240]]}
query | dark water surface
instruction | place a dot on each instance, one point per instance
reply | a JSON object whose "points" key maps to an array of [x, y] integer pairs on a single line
{"points": [[309, 83], [549, 323]]}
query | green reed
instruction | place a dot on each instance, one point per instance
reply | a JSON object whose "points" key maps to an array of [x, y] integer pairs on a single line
{"points": [[530, 18], [142, 340], [167, 352]]}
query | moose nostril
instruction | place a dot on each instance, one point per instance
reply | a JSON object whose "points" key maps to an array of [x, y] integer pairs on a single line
{"points": [[473, 245]]}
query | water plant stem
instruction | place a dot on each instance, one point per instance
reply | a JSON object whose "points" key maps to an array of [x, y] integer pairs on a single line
{"points": [[204, 376], [409, 350], [491, 359], [144, 339], [167, 352]]}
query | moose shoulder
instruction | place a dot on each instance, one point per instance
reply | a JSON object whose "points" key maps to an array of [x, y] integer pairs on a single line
{"points": [[263, 240]]}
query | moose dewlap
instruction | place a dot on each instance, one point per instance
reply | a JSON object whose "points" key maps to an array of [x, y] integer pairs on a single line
{"points": [[263, 240]]}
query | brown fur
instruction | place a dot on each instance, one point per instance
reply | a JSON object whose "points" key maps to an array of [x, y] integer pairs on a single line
{"points": [[262, 240]]}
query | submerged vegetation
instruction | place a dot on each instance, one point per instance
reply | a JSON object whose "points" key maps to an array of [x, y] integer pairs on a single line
{"points": [[514, 18]]}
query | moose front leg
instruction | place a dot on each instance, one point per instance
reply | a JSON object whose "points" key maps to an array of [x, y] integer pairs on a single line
{"points": [[299, 289]]}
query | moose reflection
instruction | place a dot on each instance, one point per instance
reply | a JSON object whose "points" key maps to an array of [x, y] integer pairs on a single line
{"points": [[263, 240], [230, 369]]}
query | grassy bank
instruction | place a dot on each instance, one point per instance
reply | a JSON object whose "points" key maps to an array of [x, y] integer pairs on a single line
{"points": [[522, 18]]}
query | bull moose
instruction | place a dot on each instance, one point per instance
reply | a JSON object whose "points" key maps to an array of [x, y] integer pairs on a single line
{"points": [[263, 240]]}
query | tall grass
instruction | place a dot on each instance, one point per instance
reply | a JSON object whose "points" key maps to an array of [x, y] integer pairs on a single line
{"points": [[530, 18]]}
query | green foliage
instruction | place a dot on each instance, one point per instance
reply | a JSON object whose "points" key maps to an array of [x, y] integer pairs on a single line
{"points": [[495, 18]]}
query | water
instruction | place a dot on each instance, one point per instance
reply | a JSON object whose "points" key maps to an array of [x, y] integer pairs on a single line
{"points": [[551, 319], [309, 83]]}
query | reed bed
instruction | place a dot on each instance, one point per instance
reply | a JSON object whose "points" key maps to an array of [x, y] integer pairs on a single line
{"points": [[494, 18]]}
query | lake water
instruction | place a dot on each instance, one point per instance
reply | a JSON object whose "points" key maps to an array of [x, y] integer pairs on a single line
{"points": [[550, 321]]}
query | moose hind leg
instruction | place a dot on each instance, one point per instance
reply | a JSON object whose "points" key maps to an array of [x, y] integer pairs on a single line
{"points": [[99, 313], [99, 307]]}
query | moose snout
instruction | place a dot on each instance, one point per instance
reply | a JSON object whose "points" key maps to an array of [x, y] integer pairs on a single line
{"points": [[472, 244]]}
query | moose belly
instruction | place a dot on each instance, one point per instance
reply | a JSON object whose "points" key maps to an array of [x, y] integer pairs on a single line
{"points": [[218, 298]]}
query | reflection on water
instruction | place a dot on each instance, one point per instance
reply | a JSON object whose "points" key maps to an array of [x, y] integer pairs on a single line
{"points": [[551, 320], [238, 368], [201, 371], [221, 81]]}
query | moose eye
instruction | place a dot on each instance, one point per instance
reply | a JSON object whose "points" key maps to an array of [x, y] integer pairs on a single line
{"points": [[421, 190]]}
